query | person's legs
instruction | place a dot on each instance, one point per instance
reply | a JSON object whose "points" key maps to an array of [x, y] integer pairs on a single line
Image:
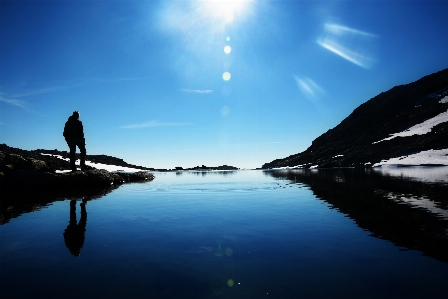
{"points": [[82, 149], [72, 146]]}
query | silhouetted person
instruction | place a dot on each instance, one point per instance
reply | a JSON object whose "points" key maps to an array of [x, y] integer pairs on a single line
{"points": [[74, 135], [74, 234]]}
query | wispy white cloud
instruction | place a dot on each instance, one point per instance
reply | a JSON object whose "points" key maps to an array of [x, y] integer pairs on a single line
{"points": [[71, 84], [39, 91], [308, 87], [13, 102], [15, 98], [114, 80], [352, 56], [340, 30], [200, 91], [153, 124], [351, 44]]}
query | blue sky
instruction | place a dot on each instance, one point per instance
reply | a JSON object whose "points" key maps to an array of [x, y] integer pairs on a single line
{"points": [[151, 78]]}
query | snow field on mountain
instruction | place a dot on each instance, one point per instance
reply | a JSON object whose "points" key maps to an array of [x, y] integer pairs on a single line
{"points": [[421, 128]]}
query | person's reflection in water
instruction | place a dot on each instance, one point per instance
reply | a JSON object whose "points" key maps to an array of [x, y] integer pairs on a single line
{"points": [[74, 234]]}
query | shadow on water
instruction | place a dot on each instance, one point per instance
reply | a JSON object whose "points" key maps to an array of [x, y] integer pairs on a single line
{"points": [[74, 234], [14, 205], [411, 214]]}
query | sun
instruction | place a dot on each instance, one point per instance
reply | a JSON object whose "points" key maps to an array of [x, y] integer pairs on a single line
{"points": [[225, 10]]}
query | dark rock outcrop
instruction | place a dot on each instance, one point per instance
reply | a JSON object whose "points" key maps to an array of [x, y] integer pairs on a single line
{"points": [[22, 176], [30, 182], [59, 164], [9, 155], [352, 142]]}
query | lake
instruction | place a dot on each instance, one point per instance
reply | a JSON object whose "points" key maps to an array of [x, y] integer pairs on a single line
{"points": [[342, 233]]}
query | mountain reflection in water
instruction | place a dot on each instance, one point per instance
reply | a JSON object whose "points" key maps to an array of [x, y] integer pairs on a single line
{"points": [[242, 234], [410, 211]]}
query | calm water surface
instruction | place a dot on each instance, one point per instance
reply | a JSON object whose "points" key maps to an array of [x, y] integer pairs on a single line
{"points": [[243, 234]]}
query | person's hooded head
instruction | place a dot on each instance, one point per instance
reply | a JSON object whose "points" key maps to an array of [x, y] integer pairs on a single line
{"points": [[75, 115]]}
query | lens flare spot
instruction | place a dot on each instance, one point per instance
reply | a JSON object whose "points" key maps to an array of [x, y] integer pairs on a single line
{"points": [[226, 65], [227, 49], [228, 38], [228, 252], [219, 251], [225, 110], [226, 90], [230, 283], [226, 76]]}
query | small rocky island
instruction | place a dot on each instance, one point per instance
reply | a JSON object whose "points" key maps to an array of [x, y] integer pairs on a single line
{"points": [[29, 173]]}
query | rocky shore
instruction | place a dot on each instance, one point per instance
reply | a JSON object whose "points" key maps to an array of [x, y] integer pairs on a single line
{"points": [[25, 173]]}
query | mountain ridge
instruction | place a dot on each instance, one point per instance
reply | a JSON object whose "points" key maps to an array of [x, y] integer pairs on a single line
{"points": [[354, 141]]}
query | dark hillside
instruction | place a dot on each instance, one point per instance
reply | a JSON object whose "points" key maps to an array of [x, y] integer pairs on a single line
{"points": [[389, 112]]}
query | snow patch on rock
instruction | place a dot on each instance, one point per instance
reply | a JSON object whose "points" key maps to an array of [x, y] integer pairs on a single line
{"points": [[420, 129]]}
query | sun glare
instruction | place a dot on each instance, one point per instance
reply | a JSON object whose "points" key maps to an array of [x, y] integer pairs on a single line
{"points": [[225, 10]]}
